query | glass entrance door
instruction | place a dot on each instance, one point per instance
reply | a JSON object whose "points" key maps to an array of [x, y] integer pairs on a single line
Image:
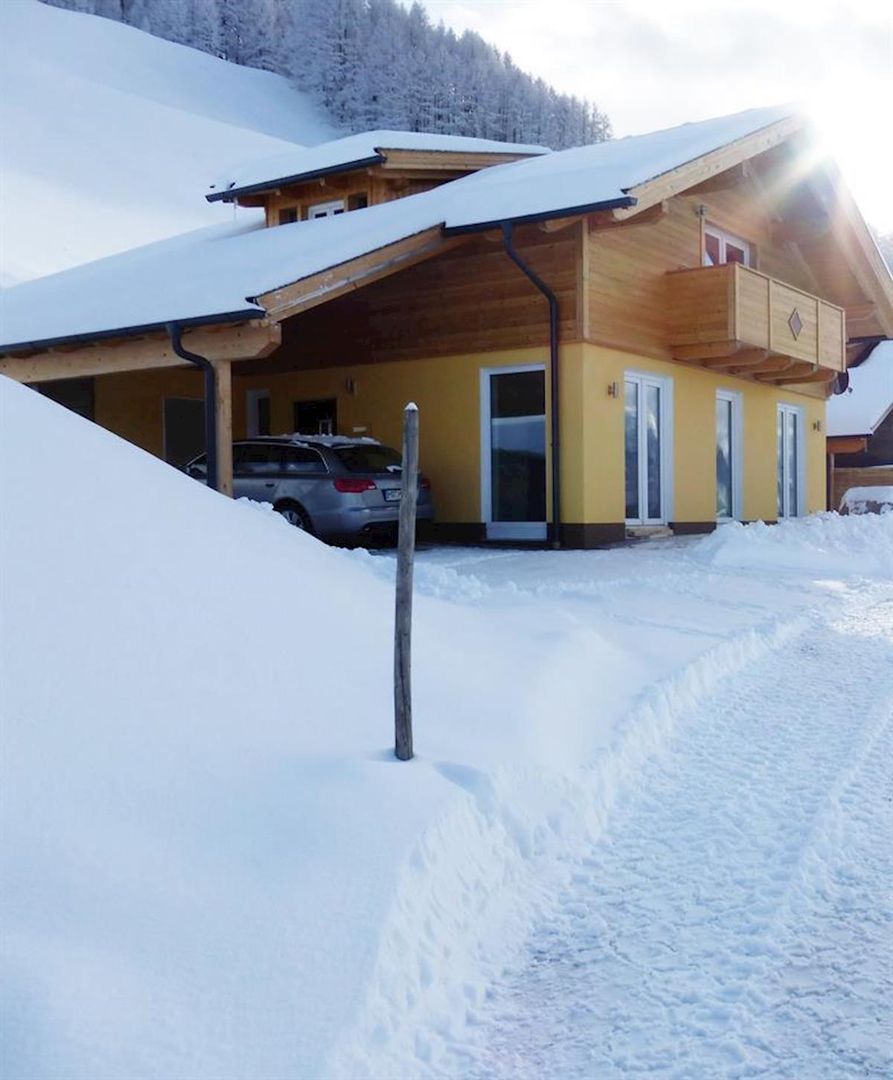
{"points": [[644, 441], [789, 434], [513, 454]]}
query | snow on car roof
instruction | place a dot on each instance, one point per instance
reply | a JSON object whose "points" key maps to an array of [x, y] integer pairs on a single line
{"points": [[328, 440], [351, 152], [217, 273], [869, 399]]}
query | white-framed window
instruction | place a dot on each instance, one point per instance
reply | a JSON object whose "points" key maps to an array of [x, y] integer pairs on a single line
{"points": [[648, 448], [721, 247], [791, 470], [729, 455], [257, 412], [325, 209]]}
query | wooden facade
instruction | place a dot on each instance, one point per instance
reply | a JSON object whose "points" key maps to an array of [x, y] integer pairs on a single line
{"points": [[401, 173], [636, 284]]}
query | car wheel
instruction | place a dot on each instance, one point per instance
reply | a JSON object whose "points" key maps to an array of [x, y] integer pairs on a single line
{"points": [[295, 515]]}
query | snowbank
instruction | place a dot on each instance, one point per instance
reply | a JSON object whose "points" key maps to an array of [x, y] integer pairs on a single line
{"points": [[213, 867], [826, 544], [204, 831]]}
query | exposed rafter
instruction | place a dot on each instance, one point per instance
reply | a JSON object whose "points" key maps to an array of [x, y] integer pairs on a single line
{"points": [[704, 168], [319, 288]]}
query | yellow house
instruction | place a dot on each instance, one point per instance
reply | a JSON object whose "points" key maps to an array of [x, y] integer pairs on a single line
{"points": [[636, 335]]}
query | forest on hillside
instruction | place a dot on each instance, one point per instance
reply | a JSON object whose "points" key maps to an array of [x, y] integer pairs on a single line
{"points": [[373, 64]]}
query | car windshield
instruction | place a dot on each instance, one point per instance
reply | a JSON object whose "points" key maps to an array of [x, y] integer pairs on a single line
{"points": [[368, 458]]}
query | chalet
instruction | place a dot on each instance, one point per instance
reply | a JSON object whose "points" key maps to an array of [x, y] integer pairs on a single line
{"points": [[639, 334], [860, 425]]}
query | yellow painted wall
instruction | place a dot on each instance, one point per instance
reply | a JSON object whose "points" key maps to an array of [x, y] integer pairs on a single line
{"points": [[132, 405], [694, 424], [447, 390]]}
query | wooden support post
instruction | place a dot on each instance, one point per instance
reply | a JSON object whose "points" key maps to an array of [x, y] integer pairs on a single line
{"points": [[403, 606], [223, 406]]}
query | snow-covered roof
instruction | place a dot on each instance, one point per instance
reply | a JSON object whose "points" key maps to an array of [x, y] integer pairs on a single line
{"points": [[339, 155], [218, 272], [601, 174], [869, 399], [212, 273]]}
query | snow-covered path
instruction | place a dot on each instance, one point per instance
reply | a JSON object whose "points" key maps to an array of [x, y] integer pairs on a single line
{"points": [[736, 919]]}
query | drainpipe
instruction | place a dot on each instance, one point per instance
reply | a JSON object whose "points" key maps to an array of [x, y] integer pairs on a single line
{"points": [[210, 376], [553, 373]]}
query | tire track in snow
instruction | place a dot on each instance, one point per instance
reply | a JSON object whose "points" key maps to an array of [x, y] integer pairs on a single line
{"points": [[735, 920]]}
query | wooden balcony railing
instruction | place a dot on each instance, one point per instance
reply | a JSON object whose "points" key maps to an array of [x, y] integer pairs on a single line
{"points": [[744, 322]]}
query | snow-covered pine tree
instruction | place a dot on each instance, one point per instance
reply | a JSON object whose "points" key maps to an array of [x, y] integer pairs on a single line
{"points": [[373, 63]]}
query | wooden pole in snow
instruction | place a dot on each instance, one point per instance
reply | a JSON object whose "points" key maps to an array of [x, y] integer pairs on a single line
{"points": [[403, 608]]}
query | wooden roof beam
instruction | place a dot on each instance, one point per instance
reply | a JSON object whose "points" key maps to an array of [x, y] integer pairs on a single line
{"points": [[224, 342], [602, 220], [722, 181], [847, 444], [364, 270], [709, 165]]}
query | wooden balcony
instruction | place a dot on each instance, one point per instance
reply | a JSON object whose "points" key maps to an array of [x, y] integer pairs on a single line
{"points": [[738, 320]]}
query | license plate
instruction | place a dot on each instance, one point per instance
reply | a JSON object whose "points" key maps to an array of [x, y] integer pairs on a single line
{"points": [[392, 494]]}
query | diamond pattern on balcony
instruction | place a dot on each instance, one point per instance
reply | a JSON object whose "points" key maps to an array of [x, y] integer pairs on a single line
{"points": [[795, 323]]}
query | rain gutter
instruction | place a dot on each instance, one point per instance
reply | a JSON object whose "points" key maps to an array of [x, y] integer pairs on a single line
{"points": [[621, 203], [175, 330], [550, 296]]}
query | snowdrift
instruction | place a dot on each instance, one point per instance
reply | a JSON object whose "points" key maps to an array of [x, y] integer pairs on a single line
{"points": [[111, 135], [822, 544], [205, 835], [213, 867]]}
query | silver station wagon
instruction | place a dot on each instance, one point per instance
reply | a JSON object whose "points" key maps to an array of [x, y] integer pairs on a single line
{"points": [[329, 485]]}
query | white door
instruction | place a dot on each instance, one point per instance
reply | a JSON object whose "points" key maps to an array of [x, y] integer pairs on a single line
{"points": [[513, 452], [789, 433], [647, 446]]}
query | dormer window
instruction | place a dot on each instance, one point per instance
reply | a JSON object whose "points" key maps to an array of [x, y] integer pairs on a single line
{"points": [[288, 215], [325, 209], [722, 247]]}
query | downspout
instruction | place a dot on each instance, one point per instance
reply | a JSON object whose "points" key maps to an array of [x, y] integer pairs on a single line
{"points": [[553, 373], [210, 376]]}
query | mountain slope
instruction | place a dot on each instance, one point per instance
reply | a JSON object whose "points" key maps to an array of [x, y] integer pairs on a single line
{"points": [[111, 136]]}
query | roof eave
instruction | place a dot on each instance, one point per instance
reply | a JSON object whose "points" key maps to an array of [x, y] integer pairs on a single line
{"points": [[89, 337], [231, 194], [543, 215]]}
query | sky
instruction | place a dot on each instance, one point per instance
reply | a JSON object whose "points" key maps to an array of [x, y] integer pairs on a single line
{"points": [[651, 65]]}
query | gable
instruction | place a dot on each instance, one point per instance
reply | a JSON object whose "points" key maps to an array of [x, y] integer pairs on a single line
{"points": [[775, 188]]}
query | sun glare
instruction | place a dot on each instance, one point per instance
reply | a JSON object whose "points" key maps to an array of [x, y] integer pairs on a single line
{"points": [[855, 137]]}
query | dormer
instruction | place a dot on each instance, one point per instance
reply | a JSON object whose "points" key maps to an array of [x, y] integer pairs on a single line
{"points": [[359, 171]]}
